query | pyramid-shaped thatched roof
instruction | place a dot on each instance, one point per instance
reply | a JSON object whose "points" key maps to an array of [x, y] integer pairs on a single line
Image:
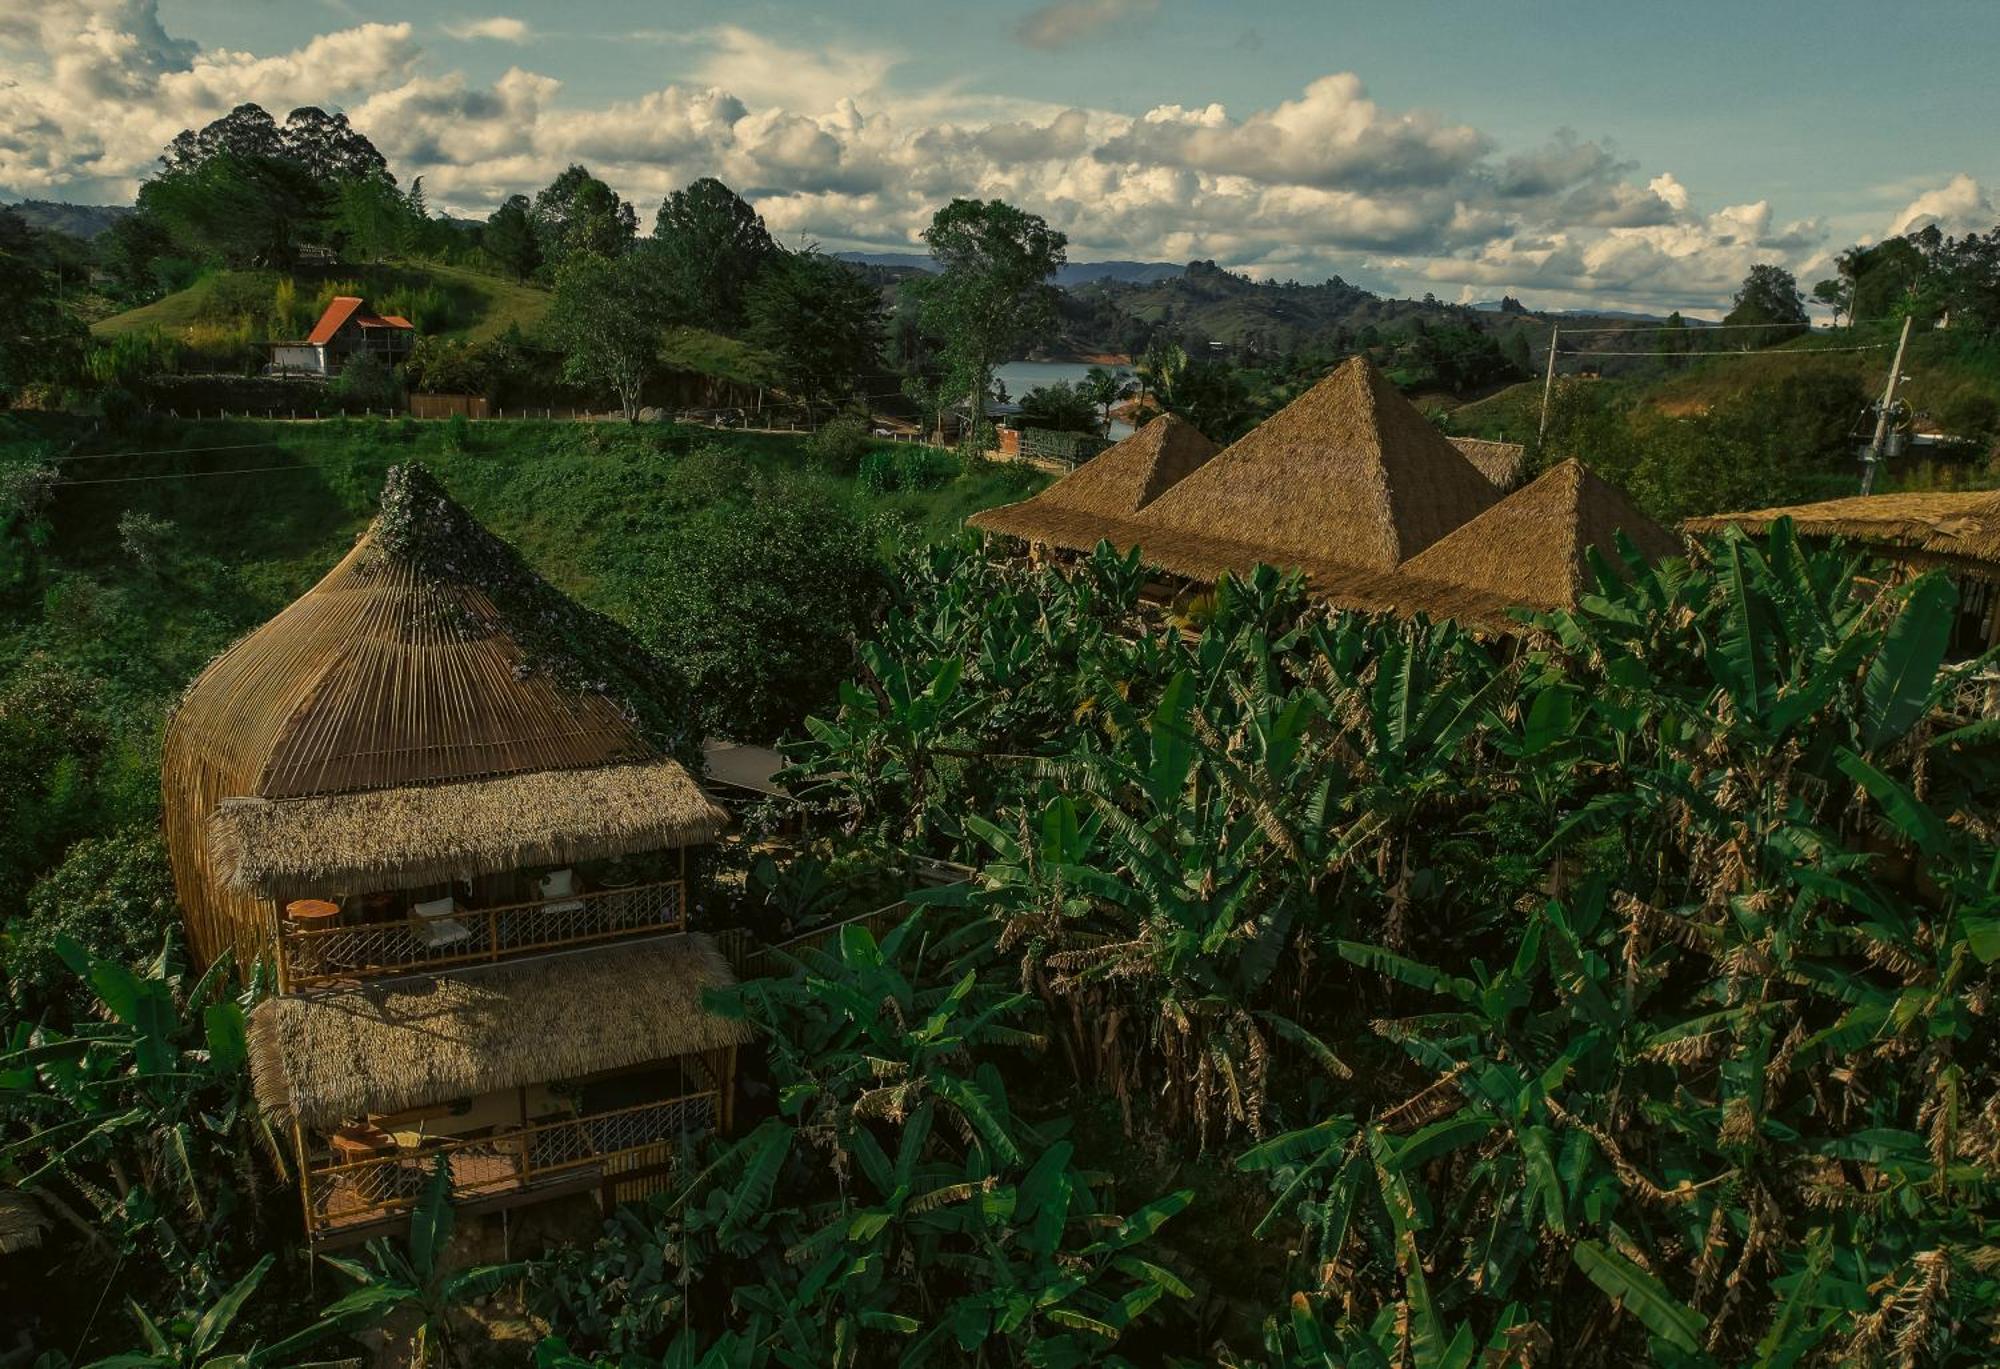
{"points": [[1530, 550], [1500, 462], [1348, 474], [1957, 527], [1116, 483]]}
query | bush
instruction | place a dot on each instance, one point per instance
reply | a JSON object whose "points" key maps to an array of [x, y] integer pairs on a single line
{"points": [[909, 468], [839, 445], [113, 895], [366, 382], [148, 539], [458, 433]]}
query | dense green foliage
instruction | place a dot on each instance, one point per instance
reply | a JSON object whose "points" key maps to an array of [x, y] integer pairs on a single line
{"points": [[1650, 963]]}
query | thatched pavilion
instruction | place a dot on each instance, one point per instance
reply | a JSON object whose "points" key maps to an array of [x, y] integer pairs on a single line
{"points": [[444, 803], [1954, 530], [1116, 483], [1347, 475], [1502, 463], [1531, 550]]}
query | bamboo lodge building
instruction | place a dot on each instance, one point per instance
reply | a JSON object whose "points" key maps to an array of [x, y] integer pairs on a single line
{"points": [[1957, 531], [1354, 487], [441, 802]]}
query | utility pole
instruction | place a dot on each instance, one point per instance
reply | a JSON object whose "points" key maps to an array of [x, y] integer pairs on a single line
{"points": [[1548, 384], [1883, 412]]}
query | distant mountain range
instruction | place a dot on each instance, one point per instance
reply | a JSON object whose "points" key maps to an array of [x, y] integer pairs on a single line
{"points": [[1076, 273], [78, 220]]}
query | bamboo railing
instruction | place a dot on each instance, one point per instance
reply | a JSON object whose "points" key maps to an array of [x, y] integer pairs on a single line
{"points": [[310, 957], [357, 1192]]}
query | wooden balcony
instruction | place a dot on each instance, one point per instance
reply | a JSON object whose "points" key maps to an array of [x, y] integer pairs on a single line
{"points": [[345, 951], [510, 1163]]}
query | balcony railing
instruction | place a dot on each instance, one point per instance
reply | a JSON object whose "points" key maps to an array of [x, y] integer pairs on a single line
{"points": [[314, 956], [358, 1192]]}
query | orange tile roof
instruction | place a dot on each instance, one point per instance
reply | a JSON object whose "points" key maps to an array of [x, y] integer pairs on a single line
{"points": [[334, 319]]}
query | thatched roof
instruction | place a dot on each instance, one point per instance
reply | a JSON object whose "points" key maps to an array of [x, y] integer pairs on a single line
{"points": [[425, 834], [386, 1047], [22, 1222], [1500, 462], [1531, 550], [431, 652], [1961, 526], [1118, 482], [1348, 476]]}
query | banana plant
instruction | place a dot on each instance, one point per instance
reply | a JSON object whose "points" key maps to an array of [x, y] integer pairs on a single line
{"points": [[413, 1279]]}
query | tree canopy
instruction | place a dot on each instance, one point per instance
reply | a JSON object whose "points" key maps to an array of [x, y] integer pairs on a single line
{"points": [[1770, 295], [820, 321], [576, 213], [991, 294], [713, 244]]}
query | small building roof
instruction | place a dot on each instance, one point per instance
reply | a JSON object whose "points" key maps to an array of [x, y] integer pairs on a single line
{"points": [[1118, 482], [1961, 527], [1500, 462], [433, 833], [330, 1057], [345, 308]]}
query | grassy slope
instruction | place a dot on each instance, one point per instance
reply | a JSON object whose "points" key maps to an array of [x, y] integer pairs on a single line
{"points": [[1941, 368], [581, 501], [496, 303]]}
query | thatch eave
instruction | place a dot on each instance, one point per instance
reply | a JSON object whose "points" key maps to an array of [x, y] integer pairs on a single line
{"points": [[328, 1057], [1955, 528], [427, 834]]}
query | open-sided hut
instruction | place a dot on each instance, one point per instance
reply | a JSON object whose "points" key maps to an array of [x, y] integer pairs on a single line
{"points": [[1955, 530], [1116, 483], [436, 772], [1530, 550]]}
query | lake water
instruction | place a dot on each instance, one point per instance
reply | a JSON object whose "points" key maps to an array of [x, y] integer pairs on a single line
{"points": [[1022, 376]]}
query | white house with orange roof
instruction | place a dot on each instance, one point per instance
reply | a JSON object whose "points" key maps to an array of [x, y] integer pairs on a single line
{"points": [[345, 330]]}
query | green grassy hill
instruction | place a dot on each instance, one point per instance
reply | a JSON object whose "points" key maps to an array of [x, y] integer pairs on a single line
{"points": [[451, 301]]}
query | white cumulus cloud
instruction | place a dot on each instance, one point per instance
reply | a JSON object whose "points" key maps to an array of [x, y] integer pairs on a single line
{"points": [[499, 29]]}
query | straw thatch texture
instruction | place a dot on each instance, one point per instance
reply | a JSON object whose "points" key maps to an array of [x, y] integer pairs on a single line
{"points": [[1961, 527], [429, 654], [1118, 482], [330, 1057], [1349, 474], [1500, 462], [21, 1222], [1531, 550], [425, 834]]}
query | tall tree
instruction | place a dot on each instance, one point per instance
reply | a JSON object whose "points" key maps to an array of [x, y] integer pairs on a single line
{"points": [[245, 131], [991, 295], [1770, 295], [510, 238], [245, 210], [1104, 388], [330, 149], [609, 317], [576, 213], [822, 322], [714, 243]]}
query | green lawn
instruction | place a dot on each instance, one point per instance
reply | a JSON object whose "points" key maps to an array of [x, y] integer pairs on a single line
{"points": [[475, 305]]}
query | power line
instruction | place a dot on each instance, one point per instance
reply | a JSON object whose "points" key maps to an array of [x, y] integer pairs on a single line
{"points": [[1704, 356], [180, 475], [163, 451]]}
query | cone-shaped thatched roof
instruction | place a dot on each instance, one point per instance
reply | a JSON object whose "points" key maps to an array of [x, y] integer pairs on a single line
{"points": [[427, 667], [430, 653], [1500, 462], [1531, 550], [1957, 526], [387, 1047], [1117, 482]]}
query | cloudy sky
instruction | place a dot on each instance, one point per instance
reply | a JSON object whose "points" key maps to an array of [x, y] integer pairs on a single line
{"points": [[1610, 153]]}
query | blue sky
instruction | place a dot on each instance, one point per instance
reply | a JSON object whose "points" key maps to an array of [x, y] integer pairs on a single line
{"points": [[1612, 153]]}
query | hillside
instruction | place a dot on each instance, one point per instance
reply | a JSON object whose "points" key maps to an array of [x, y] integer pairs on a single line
{"points": [[451, 301], [1951, 383], [83, 221]]}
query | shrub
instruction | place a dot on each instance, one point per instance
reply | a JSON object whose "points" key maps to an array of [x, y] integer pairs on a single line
{"points": [[913, 468], [113, 895], [147, 538], [458, 433], [366, 382], [877, 473], [839, 445]]}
